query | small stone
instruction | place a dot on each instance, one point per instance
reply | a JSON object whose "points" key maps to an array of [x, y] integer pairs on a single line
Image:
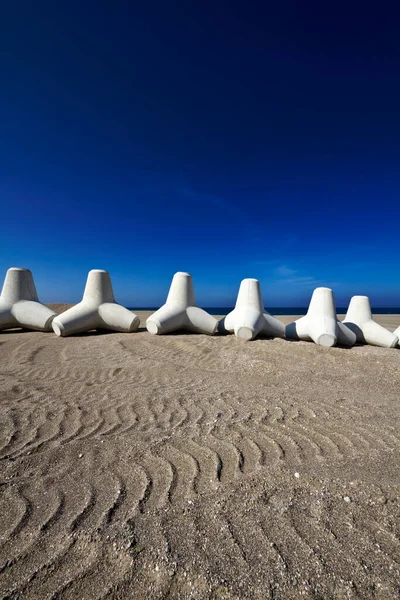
{"points": [[80, 455], [347, 499], [297, 475]]}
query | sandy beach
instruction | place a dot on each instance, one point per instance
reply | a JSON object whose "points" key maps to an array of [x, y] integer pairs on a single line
{"points": [[185, 466]]}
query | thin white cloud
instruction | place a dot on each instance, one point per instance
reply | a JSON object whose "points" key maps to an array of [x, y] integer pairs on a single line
{"points": [[265, 263], [303, 280], [294, 277], [284, 271]]}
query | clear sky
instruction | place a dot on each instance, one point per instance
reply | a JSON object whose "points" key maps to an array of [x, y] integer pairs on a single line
{"points": [[227, 139]]}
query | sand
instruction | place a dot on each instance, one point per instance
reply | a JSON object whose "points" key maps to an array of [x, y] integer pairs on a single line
{"points": [[184, 466]]}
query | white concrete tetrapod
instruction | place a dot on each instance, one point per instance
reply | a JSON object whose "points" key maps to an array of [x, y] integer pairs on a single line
{"points": [[397, 334], [180, 310], [359, 319], [321, 324], [249, 319], [97, 310], [19, 303]]}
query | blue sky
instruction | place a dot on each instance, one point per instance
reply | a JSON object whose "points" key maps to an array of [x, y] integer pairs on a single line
{"points": [[229, 140]]}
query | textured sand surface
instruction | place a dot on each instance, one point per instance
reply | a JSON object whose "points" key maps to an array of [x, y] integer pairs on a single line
{"points": [[186, 466]]}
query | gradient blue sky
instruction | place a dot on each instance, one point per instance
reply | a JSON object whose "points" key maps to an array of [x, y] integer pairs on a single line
{"points": [[228, 139]]}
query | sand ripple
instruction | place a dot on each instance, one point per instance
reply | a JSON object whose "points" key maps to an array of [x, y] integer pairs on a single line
{"points": [[141, 467]]}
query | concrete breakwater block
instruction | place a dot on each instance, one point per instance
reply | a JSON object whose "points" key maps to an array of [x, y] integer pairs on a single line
{"points": [[19, 303], [249, 319], [97, 310], [180, 310], [359, 319], [321, 324]]}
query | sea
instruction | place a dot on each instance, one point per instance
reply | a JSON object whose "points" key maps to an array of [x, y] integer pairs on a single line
{"points": [[279, 310]]}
